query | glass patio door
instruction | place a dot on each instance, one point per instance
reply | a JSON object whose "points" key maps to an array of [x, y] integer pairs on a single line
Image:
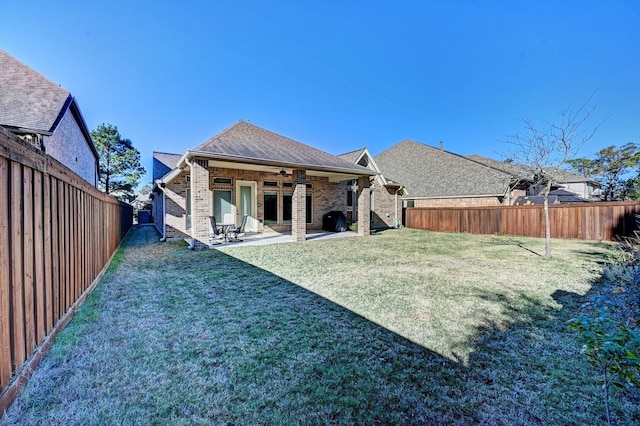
{"points": [[247, 192]]}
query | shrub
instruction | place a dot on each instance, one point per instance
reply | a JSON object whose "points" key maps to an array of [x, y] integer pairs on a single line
{"points": [[609, 332]]}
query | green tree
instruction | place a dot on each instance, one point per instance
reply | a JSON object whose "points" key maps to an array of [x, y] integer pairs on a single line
{"points": [[631, 189], [608, 168], [583, 166], [120, 168]]}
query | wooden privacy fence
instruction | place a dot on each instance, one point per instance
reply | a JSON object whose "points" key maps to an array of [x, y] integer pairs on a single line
{"points": [[584, 221], [57, 233]]}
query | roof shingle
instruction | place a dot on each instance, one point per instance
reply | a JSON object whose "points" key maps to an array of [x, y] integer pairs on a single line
{"points": [[249, 142], [429, 172], [28, 99], [163, 163]]}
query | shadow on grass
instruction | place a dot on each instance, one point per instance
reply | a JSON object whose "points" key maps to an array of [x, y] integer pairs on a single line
{"points": [[202, 337]]}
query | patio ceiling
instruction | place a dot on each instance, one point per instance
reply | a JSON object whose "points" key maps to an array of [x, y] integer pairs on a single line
{"points": [[333, 175]]}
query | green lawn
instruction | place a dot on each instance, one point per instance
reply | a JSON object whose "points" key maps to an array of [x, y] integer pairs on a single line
{"points": [[404, 327]]}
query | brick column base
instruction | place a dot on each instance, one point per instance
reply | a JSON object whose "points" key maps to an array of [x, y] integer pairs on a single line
{"points": [[201, 203], [299, 206], [364, 206]]}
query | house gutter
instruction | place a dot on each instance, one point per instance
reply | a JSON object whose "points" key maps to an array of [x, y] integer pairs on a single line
{"points": [[358, 171], [164, 212], [396, 209], [185, 161]]}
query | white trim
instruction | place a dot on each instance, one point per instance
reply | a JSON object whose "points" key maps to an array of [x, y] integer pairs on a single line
{"points": [[252, 221]]}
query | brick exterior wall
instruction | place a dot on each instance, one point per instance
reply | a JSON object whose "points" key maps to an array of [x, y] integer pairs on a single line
{"points": [[176, 215], [384, 211], [458, 202], [68, 145], [364, 199], [202, 199], [469, 201], [509, 201], [298, 205]]}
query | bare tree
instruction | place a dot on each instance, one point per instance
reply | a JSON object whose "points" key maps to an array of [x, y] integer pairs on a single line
{"points": [[543, 145]]}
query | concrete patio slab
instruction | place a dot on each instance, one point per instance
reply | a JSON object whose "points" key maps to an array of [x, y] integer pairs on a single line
{"points": [[282, 237]]}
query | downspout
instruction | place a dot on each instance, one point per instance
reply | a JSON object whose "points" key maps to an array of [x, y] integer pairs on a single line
{"points": [[193, 238], [164, 212], [395, 211]]}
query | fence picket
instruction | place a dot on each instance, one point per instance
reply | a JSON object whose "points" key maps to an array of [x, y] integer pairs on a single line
{"points": [[18, 343], [587, 221], [5, 288]]}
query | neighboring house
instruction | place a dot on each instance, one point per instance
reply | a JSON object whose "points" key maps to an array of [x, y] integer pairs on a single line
{"points": [[47, 116], [557, 196], [434, 177], [580, 186], [279, 183], [386, 195]]}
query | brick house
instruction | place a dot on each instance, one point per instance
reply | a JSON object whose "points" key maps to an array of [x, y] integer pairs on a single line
{"points": [[44, 114], [281, 184], [434, 177], [386, 195]]}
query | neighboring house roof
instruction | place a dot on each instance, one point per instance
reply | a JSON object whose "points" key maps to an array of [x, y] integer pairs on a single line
{"points": [[28, 99], [163, 163], [519, 171], [29, 102], [562, 193], [429, 172], [564, 176], [249, 144], [535, 200]]}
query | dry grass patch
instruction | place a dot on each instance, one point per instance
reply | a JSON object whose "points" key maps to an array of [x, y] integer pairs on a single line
{"points": [[405, 327]]}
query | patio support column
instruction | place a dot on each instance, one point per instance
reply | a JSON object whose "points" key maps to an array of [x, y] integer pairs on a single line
{"points": [[364, 206], [299, 206], [200, 203]]}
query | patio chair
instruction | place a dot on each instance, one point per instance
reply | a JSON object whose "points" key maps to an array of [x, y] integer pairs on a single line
{"points": [[215, 233], [236, 233]]}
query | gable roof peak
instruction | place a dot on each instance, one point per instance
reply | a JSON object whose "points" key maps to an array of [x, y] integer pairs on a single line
{"points": [[246, 142]]}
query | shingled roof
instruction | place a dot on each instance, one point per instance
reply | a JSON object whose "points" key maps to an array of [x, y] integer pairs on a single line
{"points": [[352, 156], [429, 172], [565, 176], [28, 100], [248, 143], [163, 163], [519, 171]]}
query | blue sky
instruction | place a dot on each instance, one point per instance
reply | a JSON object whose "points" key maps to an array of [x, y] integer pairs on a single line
{"points": [[337, 75]]}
